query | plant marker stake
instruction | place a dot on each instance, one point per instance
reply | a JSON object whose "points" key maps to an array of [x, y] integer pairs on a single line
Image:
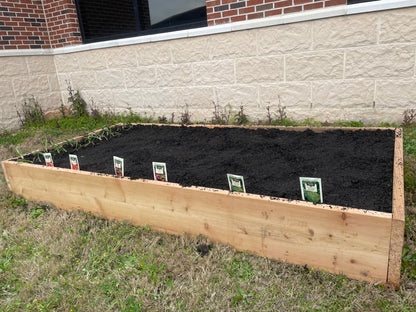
{"points": [[159, 171], [48, 159], [236, 183], [118, 166], [73, 160], [311, 189]]}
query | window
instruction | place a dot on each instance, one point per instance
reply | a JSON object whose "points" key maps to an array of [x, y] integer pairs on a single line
{"points": [[108, 19]]}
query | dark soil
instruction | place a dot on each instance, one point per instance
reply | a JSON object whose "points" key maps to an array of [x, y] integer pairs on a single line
{"points": [[356, 167]]}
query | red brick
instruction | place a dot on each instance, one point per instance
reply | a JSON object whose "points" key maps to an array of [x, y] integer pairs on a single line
{"points": [[254, 2], [296, 2], [214, 15], [210, 10], [293, 9], [228, 1], [273, 12], [283, 4], [335, 2], [255, 15], [222, 21], [229, 13], [213, 3], [246, 10], [312, 6], [238, 18]]}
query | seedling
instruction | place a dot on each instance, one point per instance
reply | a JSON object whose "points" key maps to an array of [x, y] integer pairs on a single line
{"points": [[22, 157]]}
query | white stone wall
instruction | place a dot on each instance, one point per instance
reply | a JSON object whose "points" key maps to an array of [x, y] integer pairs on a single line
{"points": [[23, 78], [355, 67]]}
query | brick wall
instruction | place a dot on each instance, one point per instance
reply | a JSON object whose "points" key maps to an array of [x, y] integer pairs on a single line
{"points": [[226, 11], [62, 22], [35, 24]]}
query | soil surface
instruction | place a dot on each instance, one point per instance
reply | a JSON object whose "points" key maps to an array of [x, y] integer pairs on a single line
{"points": [[356, 167]]}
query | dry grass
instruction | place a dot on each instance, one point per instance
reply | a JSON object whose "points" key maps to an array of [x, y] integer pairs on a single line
{"points": [[54, 260]]}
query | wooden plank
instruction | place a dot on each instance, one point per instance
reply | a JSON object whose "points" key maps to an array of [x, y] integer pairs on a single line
{"points": [[6, 176], [337, 239], [398, 221]]}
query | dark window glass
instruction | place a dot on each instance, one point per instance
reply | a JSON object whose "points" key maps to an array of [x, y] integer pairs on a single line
{"points": [[109, 19]]}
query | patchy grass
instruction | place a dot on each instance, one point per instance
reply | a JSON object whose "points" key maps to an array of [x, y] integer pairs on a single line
{"points": [[54, 260]]}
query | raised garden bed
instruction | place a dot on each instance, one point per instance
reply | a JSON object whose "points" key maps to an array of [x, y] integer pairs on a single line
{"points": [[358, 231]]}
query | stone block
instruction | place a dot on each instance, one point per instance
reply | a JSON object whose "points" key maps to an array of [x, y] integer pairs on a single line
{"points": [[194, 97], [345, 31], [66, 63], [282, 39], [110, 79], [40, 65], [125, 99], [53, 82], [260, 69], [6, 89], [398, 26], [122, 57], [140, 77], [236, 96], [343, 94], [396, 94], [30, 85], [214, 73], [49, 101], [195, 49], [233, 44], [83, 80], [153, 53], [289, 95], [380, 61], [174, 75], [158, 100], [99, 99], [13, 66], [92, 60], [315, 66]]}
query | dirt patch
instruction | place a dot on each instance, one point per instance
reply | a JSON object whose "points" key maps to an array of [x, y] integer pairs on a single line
{"points": [[356, 167]]}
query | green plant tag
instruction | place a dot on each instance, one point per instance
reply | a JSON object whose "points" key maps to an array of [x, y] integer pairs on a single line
{"points": [[48, 159], [159, 171], [73, 160], [311, 189], [118, 166], [236, 183]]}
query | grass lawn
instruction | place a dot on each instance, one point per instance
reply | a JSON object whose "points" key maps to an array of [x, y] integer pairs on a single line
{"points": [[54, 260]]}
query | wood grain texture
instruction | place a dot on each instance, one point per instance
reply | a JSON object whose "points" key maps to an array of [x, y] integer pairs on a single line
{"points": [[397, 229], [336, 239]]}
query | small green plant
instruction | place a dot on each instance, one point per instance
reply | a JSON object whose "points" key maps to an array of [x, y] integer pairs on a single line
{"points": [[241, 118], [78, 106], [22, 157], [57, 148], [162, 119], [31, 114]]}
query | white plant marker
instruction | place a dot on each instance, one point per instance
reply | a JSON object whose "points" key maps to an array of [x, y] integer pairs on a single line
{"points": [[118, 166], [311, 189], [73, 160], [159, 171], [48, 159], [236, 183]]}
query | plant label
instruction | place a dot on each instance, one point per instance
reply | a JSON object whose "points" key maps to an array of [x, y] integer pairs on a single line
{"points": [[73, 160], [48, 159], [311, 189], [118, 166], [159, 171], [236, 183]]}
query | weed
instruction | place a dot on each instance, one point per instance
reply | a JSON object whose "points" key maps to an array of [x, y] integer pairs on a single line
{"points": [[172, 118], [240, 117], [221, 116], [409, 117], [162, 119], [186, 116], [32, 113], [78, 106]]}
